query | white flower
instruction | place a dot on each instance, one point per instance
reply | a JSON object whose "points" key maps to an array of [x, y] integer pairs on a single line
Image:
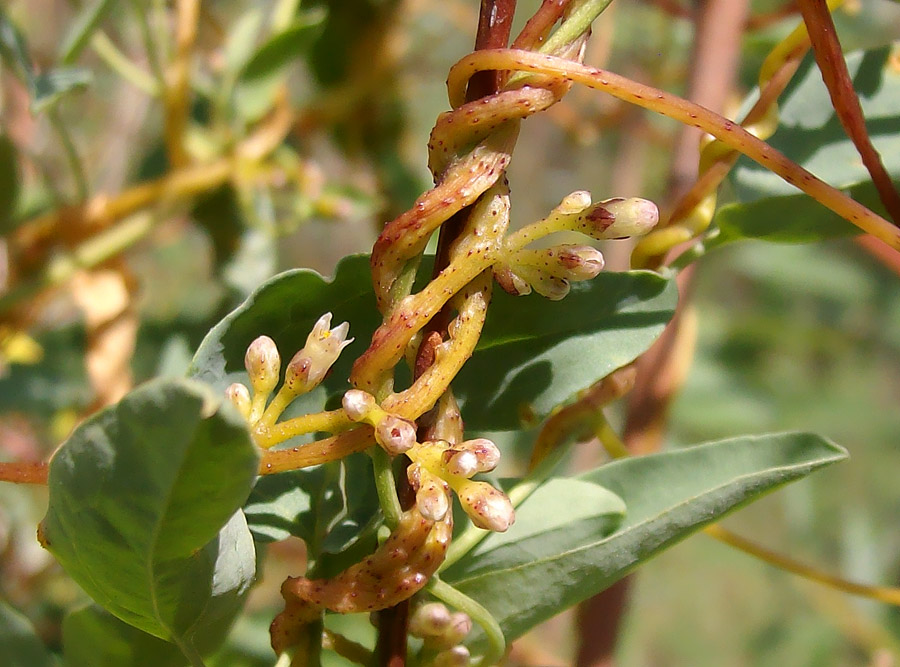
{"points": [[323, 346]]}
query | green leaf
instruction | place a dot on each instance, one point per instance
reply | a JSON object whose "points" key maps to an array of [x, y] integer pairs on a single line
{"points": [[809, 133], [267, 67], [9, 183], [92, 636], [14, 50], [52, 85], [668, 496], [535, 354], [139, 495], [285, 308], [19, 645], [45, 88], [83, 27]]}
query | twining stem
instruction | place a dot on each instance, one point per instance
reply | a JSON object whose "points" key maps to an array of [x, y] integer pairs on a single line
{"points": [[492, 630], [830, 58], [331, 421], [314, 453], [681, 110]]}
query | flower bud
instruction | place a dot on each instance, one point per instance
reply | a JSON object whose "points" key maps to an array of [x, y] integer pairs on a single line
{"points": [[543, 282], [430, 619], [458, 656], [509, 282], [618, 218], [239, 396], [432, 493], [487, 453], [579, 262], [357, 404], [460, 462], [488, 507], [394, 434], [575, 202], [323, 346], [458, 627], [263, 364]]}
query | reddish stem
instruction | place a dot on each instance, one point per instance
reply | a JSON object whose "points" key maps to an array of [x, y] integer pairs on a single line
{"points": [[535, 31], [24, 473], [494, 26], [830, 59]]}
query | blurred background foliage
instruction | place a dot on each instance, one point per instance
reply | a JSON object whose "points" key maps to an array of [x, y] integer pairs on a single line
{"points": [[804, 337]]}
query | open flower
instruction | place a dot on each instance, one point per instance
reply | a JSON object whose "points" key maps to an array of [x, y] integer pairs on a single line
{"points": [[323, 346]]}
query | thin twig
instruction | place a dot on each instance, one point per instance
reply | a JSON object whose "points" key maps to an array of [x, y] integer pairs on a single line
{"points": [[844, 99]]}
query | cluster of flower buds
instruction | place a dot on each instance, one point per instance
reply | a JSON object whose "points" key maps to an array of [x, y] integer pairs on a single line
{"points": [[439, 466], [304, 372], [395, 434], [548, 271], [397, 570], [442, 630]]}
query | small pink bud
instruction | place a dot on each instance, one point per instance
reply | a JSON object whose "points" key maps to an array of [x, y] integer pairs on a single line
{"points": [[488, 507], [509, 282], [579, 262], [487, 453], [430, 619], [619, 218], [458, 656], [459, 626], [460, 462], [395, 435], [357, 404], [432, 493], [239, 396], [263, 364]]}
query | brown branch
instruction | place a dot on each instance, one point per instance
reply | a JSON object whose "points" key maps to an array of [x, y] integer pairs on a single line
{"points": [[830, 59], [535, 31]]}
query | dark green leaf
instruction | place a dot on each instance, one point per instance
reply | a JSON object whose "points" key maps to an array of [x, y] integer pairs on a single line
{"points": [[535, 354], [93, 636], [19, 645], [9, 183], [83, 27], [668, 496], [139, 494], [810, 133]]}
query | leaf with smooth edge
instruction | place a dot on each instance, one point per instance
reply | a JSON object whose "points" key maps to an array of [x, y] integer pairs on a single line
{"points": [[810, 134], [285, 308], [92, 636], [535, 354], [668, 496], [19, 645], [144, 511]]}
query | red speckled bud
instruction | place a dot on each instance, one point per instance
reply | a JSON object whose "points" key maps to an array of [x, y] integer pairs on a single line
{"points": [[263, 364], [486, 506]]}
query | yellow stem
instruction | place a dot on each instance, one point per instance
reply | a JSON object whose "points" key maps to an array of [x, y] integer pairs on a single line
{"points": [[314, 453], [880, 593], [729, 132], [178, 92], [332, 421]]}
